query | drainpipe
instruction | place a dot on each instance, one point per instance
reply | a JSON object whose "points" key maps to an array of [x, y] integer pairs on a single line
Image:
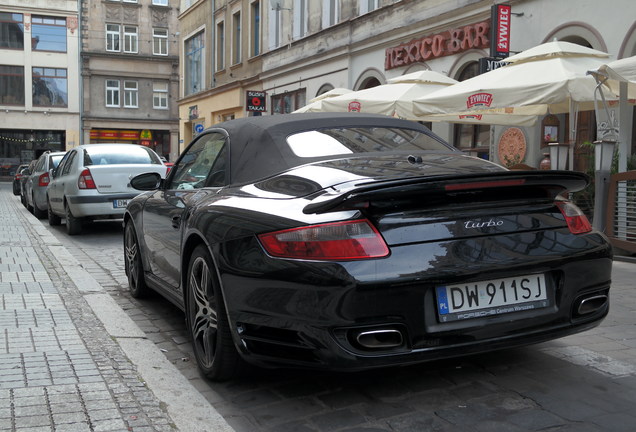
{"points": [[80, 72], [213, 49]]}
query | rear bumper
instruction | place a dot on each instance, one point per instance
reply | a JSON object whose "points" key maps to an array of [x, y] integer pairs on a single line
{"points": [[98, 205], [310, 314]]}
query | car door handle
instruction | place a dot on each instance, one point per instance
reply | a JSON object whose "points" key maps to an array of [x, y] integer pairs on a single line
{"points": [[176, 222]]}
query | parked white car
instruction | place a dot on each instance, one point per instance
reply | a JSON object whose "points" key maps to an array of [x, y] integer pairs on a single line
{"points": [[93, 182]]}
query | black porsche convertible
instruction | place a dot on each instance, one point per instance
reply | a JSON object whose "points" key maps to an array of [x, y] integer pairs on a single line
{"points": [[351, 241]]}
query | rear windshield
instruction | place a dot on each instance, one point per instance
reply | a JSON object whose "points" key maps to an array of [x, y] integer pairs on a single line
{"points": [[55, 160], [125, 155], [331, 142]]}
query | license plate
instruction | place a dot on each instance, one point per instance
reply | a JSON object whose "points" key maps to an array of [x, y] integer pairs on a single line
{"points": [[120, 203], [491, 297]]}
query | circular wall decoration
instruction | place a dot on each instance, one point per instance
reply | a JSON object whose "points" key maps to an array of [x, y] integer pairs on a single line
{"points": [[512, 147]]}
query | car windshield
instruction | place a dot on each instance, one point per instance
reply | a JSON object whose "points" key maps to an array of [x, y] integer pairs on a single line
{"points": [[328, 142], [99, 155]]}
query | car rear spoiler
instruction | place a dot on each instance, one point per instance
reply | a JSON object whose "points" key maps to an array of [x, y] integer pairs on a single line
{"points": [[552, 182]]}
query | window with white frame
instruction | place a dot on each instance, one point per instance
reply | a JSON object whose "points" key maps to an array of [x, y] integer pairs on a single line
{"points": [[160, 95], [220, 45], [113, 37], [194, 64], [131, 94], [275, 28], [236, 38], [300, 18], [131, 39], [112, 93], [160, 2], [255, 28], [368, 6], [159, 41], [330, 13], [129, 1]]}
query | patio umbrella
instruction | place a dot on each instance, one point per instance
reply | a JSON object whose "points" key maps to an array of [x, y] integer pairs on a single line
{"points": [[613, 73], [547, 79], [315, 103], [393, 99]]}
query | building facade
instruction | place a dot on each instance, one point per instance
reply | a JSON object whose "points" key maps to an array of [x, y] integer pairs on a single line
{"points": [[39, 80], [221, 59], [130, 74], [308, 48]]}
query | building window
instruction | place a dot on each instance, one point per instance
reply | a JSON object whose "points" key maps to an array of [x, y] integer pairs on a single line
{"points": [[11, 30], [160, 41], [368, 6], [194, 64], [48, 33], [50, 87], [160, 2], [300, 18], [112, 93], [287, 102], [330, 13], [129, 1], [112, 37], [131, 39], [275, 28], [473, 139], [160, 95], [220, 45], [131, 94], [11, 85], [255, 28], [236, 43]]}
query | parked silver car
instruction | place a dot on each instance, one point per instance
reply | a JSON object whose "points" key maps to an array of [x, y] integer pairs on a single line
{"points": [[92, 182], [37, 182]]}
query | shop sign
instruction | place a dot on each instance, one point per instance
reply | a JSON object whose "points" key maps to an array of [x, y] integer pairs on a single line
{"points": [[443, 44], [500, 31], [145, 135], [487, 64], [256, 101], [109, 134]]}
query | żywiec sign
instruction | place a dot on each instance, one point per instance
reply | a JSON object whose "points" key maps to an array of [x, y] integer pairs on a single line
{"points": [[500, 39], [438, 45]]}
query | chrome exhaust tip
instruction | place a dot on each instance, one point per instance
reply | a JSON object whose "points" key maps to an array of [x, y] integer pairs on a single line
{"points": [[380, 339], [592, 304]]}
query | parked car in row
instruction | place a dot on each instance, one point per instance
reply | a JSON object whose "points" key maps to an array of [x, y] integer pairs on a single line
{"points": [[92, 182], [37, 182], [351, 241], [23, 179], [17, 177]]}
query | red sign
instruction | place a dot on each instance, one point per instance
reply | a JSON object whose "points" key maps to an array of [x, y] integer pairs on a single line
{"points": [[500, 37], [354, 106], [438, 45], [479, 100]]}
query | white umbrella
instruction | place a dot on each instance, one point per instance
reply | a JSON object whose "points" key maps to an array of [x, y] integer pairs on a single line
{"points": [[392, 99], [613, 73], [314, 104], [550, 78]]}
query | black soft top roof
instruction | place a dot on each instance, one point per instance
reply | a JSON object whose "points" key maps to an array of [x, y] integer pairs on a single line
{"points": [[258, 145]]}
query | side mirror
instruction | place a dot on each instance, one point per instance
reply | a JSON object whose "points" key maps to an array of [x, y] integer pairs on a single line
{"points": [[146, 181]]}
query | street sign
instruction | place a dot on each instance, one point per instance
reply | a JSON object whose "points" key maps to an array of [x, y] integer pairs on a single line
{"points": [[198, 128], [256, 101]]}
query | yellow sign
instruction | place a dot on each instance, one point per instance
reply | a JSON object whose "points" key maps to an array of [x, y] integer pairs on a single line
{"points": [[145, 135]]}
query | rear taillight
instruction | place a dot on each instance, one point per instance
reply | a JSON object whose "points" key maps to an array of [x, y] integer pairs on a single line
{"points": [[85, 180], [349, 240], [574, 217], [44, 180]]}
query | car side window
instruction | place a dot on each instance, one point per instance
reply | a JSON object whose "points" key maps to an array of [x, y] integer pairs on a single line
{"points": [[69, 162], [204, 159], [40, 165]]}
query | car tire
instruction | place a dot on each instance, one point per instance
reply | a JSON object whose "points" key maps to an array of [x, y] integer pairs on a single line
{"points": [[73, 224], [54, 220], [40, 214], [132, 263], [207, 320]]}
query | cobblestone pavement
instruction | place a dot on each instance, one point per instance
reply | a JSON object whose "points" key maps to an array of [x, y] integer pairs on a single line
{"points": [[582, 383]]}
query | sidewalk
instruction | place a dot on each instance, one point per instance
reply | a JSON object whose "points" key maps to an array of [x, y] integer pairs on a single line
{"points": [[70, 359]]}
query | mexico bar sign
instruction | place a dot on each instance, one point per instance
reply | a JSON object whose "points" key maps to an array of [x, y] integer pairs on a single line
{"points": [[438, 45], [500, 36]]}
